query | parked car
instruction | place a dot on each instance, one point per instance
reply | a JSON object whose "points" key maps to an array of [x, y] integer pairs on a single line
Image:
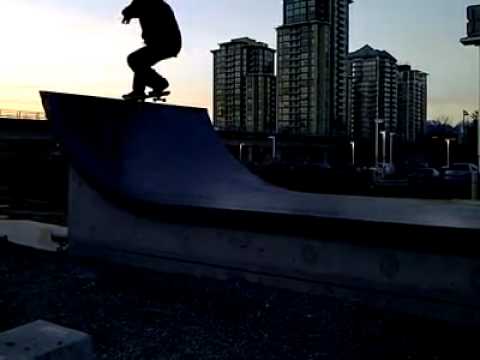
{"points": [[376, 172], [389, 169], [423, 176], [460, 173]]}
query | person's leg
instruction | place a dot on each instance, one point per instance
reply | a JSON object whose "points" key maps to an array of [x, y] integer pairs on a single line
{"points": [[157, 82], [141, 62], [134, 61], [152, 79]]}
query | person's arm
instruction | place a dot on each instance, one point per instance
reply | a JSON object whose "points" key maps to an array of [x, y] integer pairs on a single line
{"points": [[132, 11]]}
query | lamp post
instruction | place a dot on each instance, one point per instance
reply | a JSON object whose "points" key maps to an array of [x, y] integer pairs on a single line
{"points": [[384, 147], [464, 115], [274, 147], [241, 150], [352, 144], [377, 121], [448, 141], [475, 116], [392, 134], [473, 39]]}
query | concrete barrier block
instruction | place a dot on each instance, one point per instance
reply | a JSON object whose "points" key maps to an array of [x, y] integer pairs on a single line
{"points": [[41, 340], [33, 234]]}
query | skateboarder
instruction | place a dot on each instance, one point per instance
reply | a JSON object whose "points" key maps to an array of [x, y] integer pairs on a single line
{"points": [[163, 40]]}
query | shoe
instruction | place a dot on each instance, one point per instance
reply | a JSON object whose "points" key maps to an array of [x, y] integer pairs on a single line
{"points": [[160, 88], [158, 94], [134, 96]]}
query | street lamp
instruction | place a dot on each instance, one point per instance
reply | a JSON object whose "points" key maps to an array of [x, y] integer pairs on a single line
{"points": [[352, 144], [241, 150], [448, 141], [274, 147], [392, 134], [377, 121], [464, 115], [384, 146]]}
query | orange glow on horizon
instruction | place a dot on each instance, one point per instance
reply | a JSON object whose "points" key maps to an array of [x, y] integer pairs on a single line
{"points": [[88, 56], [85, 53]]}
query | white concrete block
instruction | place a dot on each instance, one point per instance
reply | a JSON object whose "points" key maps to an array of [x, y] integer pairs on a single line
{"points": [[33, 234], [41, 340]]}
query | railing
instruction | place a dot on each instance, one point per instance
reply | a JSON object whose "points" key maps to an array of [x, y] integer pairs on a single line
{"points": [[20, 114]]}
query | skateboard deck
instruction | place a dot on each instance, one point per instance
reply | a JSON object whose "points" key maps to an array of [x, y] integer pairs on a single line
{"points": [[154, 96]]}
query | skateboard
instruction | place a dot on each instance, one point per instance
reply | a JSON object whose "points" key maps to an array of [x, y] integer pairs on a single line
{"points": [[151, 95]]}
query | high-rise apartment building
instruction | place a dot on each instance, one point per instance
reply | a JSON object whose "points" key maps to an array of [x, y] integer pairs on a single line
{"points": [[312, 73], [412, 104], [244, 93], [372, 93]]}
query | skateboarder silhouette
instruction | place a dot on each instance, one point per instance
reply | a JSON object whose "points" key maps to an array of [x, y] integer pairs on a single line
{"points": [[163, 40]]}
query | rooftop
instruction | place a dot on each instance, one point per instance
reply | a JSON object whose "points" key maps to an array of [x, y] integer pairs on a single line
{"points": [[367, 52]]}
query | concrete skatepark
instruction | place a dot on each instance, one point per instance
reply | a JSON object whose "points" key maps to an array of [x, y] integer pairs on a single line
{"points": [[153, 186]]}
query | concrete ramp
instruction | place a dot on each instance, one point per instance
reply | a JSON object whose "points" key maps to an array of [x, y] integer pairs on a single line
{"points": [[153, 186], [153, 155], [147, 153]]}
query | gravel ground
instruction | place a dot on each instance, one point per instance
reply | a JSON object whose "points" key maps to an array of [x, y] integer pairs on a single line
{"points": [[134, 314]]}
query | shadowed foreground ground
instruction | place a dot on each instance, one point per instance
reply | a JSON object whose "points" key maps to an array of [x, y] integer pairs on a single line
{"points": [[143, 315]]}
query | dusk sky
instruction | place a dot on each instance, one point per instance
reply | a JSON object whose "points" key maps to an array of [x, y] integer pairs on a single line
{"points": [[81, 46]]}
